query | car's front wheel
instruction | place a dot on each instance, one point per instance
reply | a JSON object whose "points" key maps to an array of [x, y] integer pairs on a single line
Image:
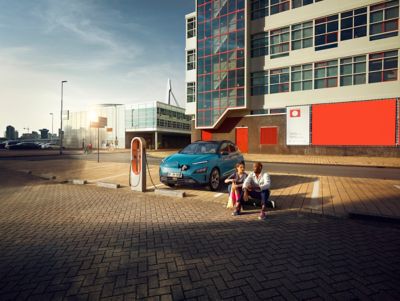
{"points": [[215, 179]]}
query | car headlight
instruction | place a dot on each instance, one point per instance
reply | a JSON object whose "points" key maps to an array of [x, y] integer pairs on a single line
{"points": [[201, 162], [201, 170]]}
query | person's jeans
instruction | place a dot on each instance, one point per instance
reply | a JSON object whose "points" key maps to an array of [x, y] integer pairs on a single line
{"points": [[262, 195]]}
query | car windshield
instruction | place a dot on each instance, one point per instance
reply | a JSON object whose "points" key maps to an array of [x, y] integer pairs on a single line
{"points": [[200, 148]]}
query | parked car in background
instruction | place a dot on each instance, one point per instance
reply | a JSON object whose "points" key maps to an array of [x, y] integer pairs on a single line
{"points": [[25, 145], [10, 142], [50, 145], [201, 162]]}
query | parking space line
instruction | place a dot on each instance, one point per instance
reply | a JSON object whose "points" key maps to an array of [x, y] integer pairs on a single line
{"points": [[315, 191], [149, 187], [217, 195]]}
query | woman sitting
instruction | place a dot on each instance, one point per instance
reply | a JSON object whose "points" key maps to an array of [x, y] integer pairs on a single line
{"points": [[235, 187]]}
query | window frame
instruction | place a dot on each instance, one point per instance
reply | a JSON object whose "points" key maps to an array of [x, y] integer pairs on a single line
{"points": [[326, 79], [191, 27], [382, 57], [261, 89], [303, 26], [283, 86], [191, 87], [327, 34], [279, 33], [191, 59], [345, 16], [260, 44], [383, 8], [352, 61]]}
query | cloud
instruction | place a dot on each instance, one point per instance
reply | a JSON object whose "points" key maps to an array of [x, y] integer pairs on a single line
{"points": [[86, 24]]}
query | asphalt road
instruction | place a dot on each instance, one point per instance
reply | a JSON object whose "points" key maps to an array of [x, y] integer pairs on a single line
{"points": [[290, 168]]}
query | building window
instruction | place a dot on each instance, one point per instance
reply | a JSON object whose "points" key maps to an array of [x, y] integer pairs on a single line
{"points": [[259, 83], [384, 20], [353, 24], [259, 9], [277, 111], [191, 28], [279, 80], [269, 135], [301, 77], [191, 92], [278, 6], [325, 74], [279, 42], [299, 3], [259, 44], [326, 32], [353, 71], [383, 67], [191, 59], [302, 35]]}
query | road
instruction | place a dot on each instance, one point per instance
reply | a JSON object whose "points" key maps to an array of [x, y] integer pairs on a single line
{"points": [[289, 168]]}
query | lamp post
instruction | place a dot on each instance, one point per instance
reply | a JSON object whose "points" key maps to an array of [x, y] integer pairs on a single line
{"points": [[61, 115], [52, 117]]}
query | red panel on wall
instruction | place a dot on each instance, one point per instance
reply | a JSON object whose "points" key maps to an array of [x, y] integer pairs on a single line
{"points": [[269, 135], [242, 139], [206, 135], [355, 123]]}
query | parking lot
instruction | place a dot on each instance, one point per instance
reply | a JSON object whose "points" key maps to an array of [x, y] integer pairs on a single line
{"points": [[83, 242]]}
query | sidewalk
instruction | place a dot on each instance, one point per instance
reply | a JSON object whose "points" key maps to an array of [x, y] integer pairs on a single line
{"points": [[310, 159]]}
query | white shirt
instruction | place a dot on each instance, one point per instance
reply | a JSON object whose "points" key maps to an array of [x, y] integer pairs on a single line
{"points": [[262, 182]]}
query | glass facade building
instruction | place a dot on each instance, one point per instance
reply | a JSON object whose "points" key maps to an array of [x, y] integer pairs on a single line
{"points": [[220, 59]]}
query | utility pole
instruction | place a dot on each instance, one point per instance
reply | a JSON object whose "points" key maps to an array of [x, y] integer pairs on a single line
{"points": [[61, 115]]}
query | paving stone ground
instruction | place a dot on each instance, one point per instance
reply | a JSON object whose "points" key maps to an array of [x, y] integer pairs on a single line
{"points": [[63, 241]]}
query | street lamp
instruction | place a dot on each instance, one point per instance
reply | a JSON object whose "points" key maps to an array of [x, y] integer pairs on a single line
{"points": [[52, 117], [61, 115]]}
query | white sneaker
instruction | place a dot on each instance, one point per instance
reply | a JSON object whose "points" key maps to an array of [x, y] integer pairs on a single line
{"points": [[273, 204]]}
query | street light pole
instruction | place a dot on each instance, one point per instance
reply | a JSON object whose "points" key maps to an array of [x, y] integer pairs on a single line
{"points": [[61, 115], [52, 117]]}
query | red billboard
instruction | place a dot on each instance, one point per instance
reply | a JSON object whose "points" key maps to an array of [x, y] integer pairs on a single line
{"points": [[364, 123]]}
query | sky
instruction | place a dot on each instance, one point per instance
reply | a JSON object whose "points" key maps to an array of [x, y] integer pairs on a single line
{"points": [[109, 51]]}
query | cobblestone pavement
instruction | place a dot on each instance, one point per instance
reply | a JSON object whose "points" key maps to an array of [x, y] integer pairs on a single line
{"points": [[87, 243], [326, 195]]}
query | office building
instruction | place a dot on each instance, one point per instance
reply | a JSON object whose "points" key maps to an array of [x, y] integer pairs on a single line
{"points": [[295, 76], [160, 124]]}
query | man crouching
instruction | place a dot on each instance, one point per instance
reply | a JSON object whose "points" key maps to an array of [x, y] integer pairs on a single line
{"points": [[257, 186]]}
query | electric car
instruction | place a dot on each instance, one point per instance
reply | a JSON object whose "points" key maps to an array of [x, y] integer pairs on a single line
{"points": [[201, 162]]}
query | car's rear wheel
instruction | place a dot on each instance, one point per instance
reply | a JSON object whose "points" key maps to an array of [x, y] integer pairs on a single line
{"points": [[170, 184], [215, 179]]}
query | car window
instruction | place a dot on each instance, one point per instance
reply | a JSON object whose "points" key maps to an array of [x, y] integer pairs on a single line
{"points": [[232, 148], [224, 148], [200, 148]]}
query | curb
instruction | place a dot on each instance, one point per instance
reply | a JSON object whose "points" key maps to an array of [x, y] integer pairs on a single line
{"points": [[175, 193], [375, 218], [78, 182], [108, 185]]}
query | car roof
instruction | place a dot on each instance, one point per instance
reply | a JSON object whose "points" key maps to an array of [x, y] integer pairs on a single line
{"points": [[212, 141]]}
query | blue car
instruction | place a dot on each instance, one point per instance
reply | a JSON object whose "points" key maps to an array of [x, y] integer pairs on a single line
{"points": [[201, 162]]}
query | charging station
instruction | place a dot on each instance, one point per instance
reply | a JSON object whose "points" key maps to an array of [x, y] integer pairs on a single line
{"points": [[137, 173]]}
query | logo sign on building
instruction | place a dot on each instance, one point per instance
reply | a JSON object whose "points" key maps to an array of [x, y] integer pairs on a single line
{"points": [[298, 125], [100, 123]]}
